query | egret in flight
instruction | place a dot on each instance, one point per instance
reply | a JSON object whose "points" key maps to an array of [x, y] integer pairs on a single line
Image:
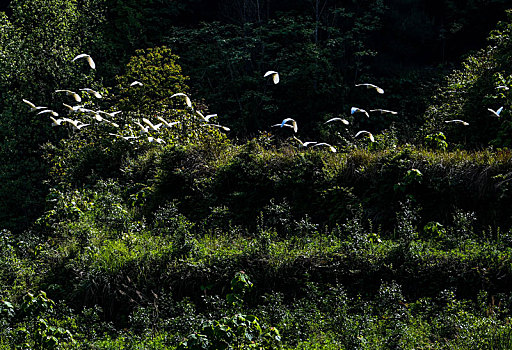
{"points": [[73, 109], [325, 144], [55, 114], [358, 110], [457, 121], [225, 128], [344, 121], [187, 99], [502, 87], [274, 74], [33, 107], [136, 83], [93, 92], [77, 125], [158, 140], [207, 117], [71, 93], [372, 86], [294, 123], [89, 59], [305, 144], [151, 125], [382, 111], [165, 123], [56, 122], [372, 139], [497, 112]]}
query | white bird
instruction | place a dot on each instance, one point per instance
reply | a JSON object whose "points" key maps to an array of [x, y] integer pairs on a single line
{"points": [[305, 144], [158, 140], [151, 125], [502, 87], [73, 109], [344, 121], [166, 123], [372, 86], [497, 112], [372, 139], [136, 83], [325, 144], [294, 123], [358, 110], [274, 74], [76, 123], [207, 117], [94, 92], [89, 59], [33, 107], [132, 136], [458, 121], [56, 122], [110, 114], [225, 128], [382, 111], [71, 93], [143, 128], [55, 114], [187, 99]]}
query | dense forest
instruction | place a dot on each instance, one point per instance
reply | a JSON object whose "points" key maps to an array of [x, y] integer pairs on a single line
{"points": [[235, 174]]}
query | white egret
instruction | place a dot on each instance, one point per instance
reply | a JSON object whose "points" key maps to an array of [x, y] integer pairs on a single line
{"points": [[497, 112], [294, 123], [358, 110], [187, 99], [71, 93], [207, 117], [93, 92], [344, 121], [382, 111], [33, 107], [136, 83], [158, 140], [73, 109], [110, 114], [166, 123], [143, 128], [151, 125], [503, 87], [56, 122], [225, 128], [457, 121], [372, 86], [89, 59], [125, 137], [77, 125], [274, 74], [55, 114], [305, 144], [325, 144], [372, 139]]}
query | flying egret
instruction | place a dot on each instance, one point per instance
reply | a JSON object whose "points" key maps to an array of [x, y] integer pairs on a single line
{"points": [[207, 117], [143, 128], [89, 59], [110, 114], [358, 110], [502, 87], [344, 121], [33, 107], [136, 83], [166, 124], [274, 74], [151, 125], [305, 144], [294, 123], [158, 140], [71, 93], [187, 99], [372, 86], [497, 112], [73, 109], [93, 92], [366, 132], [56, 122], [382, 111], [125, 137], [77, 125], [325, 144], [458, 121], [225, 128], [55, 114]]}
